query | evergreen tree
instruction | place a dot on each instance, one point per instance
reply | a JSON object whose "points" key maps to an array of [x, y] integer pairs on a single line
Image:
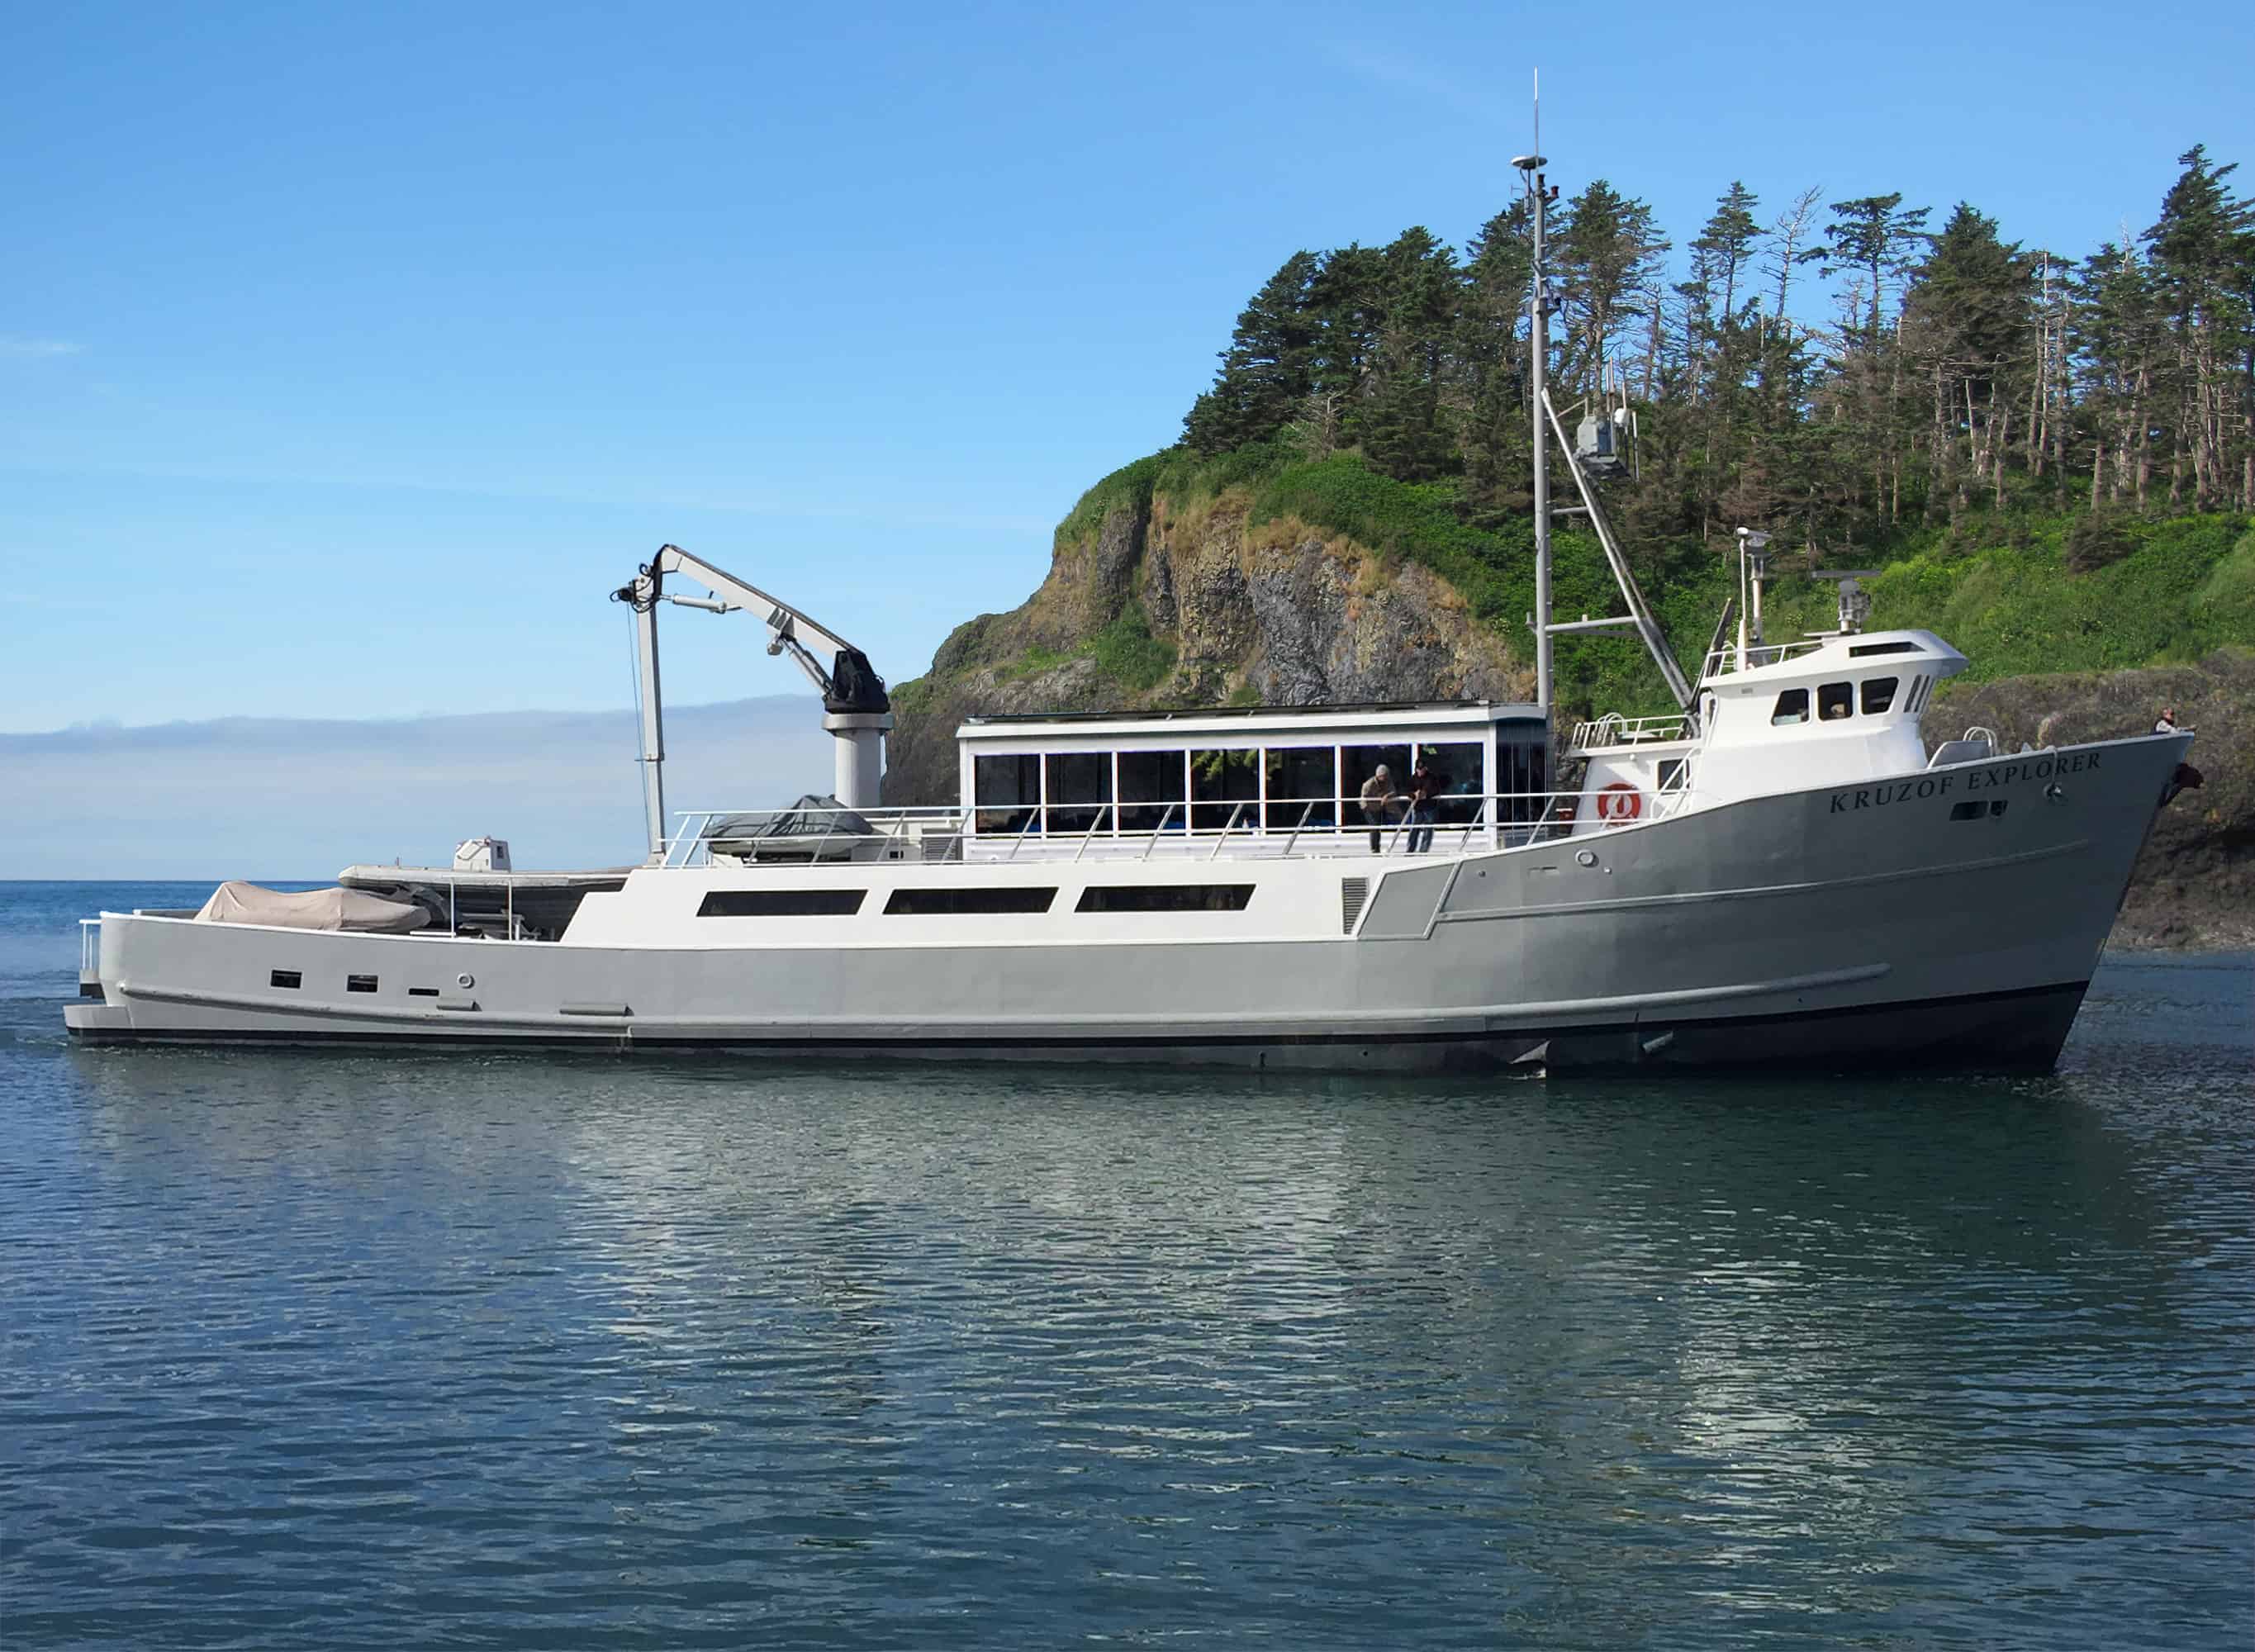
{"points": [[1969, 322], [1609, 253], [2203, 261], [1267, 368]]}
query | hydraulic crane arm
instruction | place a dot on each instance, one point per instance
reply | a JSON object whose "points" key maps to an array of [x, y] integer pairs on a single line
{"points": [[848, 686], [856, 709]]}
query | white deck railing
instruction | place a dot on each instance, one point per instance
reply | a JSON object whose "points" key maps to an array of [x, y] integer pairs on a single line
{"points": [[1613, 729], [1731, 657], [1202, 829]]}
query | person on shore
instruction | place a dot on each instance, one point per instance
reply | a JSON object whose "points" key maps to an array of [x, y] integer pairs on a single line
{"points": [[2167, 725], [1426, 784], [1378, 805]]}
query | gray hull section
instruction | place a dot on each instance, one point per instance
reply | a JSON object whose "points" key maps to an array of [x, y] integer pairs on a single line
{"points": [[1891, 921]]}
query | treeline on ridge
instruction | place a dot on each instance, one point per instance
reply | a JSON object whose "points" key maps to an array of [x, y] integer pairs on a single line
{"points": [[1957, 370]]}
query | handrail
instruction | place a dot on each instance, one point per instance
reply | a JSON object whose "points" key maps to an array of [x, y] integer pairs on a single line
{"points": [[1226, 830], [1158, 831]]}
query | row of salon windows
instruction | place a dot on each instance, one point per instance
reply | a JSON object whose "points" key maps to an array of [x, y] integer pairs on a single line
{"points": [[1836, 701], [1270, 788]]}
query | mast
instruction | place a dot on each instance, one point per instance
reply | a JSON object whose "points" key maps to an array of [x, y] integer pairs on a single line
{"points": [[1539, 348]]}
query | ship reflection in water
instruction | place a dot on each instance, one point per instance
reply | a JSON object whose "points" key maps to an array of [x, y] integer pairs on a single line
{"points": [[556, 1351]]}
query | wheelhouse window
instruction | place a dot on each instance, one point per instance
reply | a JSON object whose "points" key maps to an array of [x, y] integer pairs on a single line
{"points": [[1165, 898], [962, 903], [1225, 785], [1153, 790], [1878, 694], [1079, 790], [1006, 793], [1836, 700], [1792, 707], [1302, 786]]}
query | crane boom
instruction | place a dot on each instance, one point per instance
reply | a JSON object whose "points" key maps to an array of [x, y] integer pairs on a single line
{"points": [[856, 709]]}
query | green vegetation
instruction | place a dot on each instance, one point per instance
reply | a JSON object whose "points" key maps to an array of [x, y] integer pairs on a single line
{"points": [[1128, 654]]}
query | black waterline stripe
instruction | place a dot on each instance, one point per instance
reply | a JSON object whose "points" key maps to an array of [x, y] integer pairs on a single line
{"points": [[623, 1038]]}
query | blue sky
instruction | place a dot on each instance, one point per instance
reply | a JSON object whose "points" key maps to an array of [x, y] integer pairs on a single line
{"points": [[348, 355]]}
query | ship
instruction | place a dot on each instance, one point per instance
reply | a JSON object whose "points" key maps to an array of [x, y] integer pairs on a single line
{"points": [[1784, 871]]}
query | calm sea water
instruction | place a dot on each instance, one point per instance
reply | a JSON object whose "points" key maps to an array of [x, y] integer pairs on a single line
{"points": [[415, 1350]]}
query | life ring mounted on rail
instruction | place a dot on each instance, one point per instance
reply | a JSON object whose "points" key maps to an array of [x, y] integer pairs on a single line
{"points": [[1619, 804]]}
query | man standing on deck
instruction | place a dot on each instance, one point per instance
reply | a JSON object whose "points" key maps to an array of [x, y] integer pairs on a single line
{"points": [[1378, 804], [1426, 784]]}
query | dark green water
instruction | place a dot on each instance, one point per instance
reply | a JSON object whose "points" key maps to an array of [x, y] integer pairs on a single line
{"points": [[519, 1352]]}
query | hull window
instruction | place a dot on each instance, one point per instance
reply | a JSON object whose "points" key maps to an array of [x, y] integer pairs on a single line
{"points": [[782, 902], [966, 903], [1165, 897], [360, 983], [290, 978]]}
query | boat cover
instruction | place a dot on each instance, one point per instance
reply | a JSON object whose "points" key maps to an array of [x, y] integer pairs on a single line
{"points": [[811, 817], [236, 903]]}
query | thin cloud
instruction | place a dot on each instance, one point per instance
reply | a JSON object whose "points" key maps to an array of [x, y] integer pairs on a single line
{"points": [[23, 346]]}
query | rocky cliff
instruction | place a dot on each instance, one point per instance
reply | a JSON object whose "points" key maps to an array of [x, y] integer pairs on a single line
{"points": [[1159, 602], [1155, 599]]}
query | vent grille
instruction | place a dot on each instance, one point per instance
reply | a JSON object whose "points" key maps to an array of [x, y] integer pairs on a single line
{"points": [[1353, 892]]}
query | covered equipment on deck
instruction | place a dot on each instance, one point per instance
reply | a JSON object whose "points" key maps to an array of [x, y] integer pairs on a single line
{"points": [[334, 909]]}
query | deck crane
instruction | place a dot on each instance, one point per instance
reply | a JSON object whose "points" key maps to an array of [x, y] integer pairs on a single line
{"points": [[855, 708]]}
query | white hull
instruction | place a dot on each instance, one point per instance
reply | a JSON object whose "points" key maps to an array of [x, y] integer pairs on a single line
{"points": [[1820, 927]]}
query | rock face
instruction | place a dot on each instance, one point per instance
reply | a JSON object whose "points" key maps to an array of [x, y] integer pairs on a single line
{"points": [[1167, 604], [1175, 604], [2195, 885]]}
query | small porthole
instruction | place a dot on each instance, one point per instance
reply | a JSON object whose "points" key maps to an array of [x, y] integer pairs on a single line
{"points": [[360, 983], [290, 978], [1968, 811]]}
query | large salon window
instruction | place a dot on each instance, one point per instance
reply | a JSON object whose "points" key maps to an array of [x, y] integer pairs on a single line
{"points": [[1152, 790], [1878, 694], [1522, 777], [967, 902], [781, 903], [1836, 700], [1457, 769], [1792, 707], [1080, 790], [1303, 784], [1225, 785], [1165, 897], [1006, 790], [1361, 763]]}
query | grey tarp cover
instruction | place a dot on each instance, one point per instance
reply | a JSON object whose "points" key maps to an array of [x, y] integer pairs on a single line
{"points": [[811, 817], [315, 908]]}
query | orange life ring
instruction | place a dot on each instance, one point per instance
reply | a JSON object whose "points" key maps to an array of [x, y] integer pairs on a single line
{"points": [[1620, 803]]}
